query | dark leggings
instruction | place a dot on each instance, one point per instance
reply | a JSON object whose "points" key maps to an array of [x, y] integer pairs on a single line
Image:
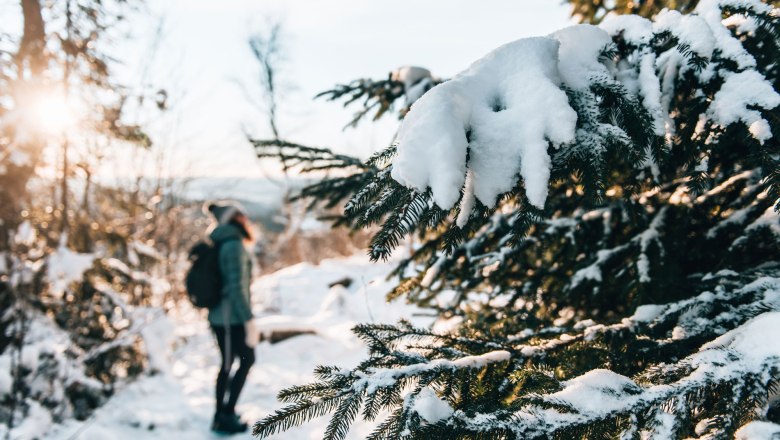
{"points": [[232, 346]]}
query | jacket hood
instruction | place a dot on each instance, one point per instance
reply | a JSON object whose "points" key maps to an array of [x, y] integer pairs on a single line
{"points": [[225, 232]]}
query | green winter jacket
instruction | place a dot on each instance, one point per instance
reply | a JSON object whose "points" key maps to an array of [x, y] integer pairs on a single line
{"points": [[236, 266]]}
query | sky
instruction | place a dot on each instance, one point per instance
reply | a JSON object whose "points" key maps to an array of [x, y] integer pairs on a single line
{"points": [[204, 62]]}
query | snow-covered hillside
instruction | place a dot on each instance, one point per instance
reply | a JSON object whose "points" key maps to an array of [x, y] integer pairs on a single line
{"points": [[178, 402]]}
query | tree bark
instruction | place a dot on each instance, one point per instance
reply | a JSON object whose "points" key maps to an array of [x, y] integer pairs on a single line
{"points": [[32, 48]]}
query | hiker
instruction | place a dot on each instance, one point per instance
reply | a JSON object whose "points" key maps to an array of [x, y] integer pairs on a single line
{"points": [[231, 319]]}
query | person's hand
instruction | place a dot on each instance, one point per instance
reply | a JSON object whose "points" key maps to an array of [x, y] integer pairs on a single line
{"points": [[252, 334]]}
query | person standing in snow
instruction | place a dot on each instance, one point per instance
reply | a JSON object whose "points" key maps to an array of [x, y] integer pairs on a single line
{"points": [[231, 320]]}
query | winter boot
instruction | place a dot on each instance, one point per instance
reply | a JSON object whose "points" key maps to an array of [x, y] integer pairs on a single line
{"points": [[228, 424]]}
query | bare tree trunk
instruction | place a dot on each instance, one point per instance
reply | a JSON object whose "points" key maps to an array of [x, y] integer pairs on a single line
{"points": [[66, 89], [85, 202], [30, 62], [64, 188], [33, 44]]}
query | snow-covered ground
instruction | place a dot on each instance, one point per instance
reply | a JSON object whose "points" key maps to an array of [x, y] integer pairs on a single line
{"points": [[179, 402]]}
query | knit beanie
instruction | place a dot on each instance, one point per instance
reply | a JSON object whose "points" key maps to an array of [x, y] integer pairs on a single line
{"points": [[223, 212]]}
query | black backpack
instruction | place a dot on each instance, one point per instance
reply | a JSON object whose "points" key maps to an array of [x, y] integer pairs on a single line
{"points": [[204, 278]]}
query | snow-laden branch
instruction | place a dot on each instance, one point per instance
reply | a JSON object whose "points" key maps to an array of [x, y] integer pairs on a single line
{"points": [[493, 123], [740, 359]]}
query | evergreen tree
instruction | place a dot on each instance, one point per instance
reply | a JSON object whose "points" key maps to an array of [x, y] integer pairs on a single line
{"points": [[596, 216], [593, 11]]}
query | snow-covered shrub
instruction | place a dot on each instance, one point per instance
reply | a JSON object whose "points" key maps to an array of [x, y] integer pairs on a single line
{"points": [[78, 269], [597, 217], [76, 327]]}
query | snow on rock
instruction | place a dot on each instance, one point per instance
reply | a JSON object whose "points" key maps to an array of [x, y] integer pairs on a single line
{"points": [[758, 430], [739, 93], [493, 110], [65, 266], [430, 407]]}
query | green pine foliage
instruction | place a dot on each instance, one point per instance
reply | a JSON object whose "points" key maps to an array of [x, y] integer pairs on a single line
{"points": [[624, 290], [380, 96], [593, 11]]}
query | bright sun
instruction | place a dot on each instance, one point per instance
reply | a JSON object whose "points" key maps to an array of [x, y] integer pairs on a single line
{"points": [[50, 113]]}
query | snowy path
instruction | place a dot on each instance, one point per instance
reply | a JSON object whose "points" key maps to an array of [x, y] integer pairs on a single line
{"points": [[178, 403]]}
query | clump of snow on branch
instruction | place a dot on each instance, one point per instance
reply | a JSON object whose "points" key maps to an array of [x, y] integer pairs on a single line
{"points": [[634, 29], [691, 30], [596, 394], [491, 109], [729, 47], [578, 54], [495, 121], [383, 377], [596, 391], [416, 80], [430, 407], [741, 91]]}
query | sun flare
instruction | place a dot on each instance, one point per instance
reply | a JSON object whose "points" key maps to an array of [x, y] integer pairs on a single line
{"points": [[51, 113]]}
